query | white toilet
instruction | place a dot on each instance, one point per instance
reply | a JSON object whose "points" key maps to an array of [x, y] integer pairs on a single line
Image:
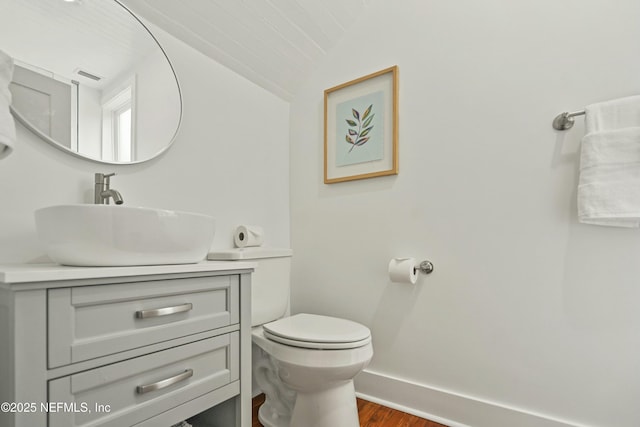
{"points": [[304, 363]]}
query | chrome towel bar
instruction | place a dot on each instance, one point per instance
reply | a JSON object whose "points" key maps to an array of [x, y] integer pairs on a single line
{"points": [[564, 121]]}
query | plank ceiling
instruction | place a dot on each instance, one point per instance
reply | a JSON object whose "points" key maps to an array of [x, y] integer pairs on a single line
{"points": [[273, 43], [58, 37]]}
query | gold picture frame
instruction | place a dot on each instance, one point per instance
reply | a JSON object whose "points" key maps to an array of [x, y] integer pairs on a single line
{"points": [[361, 128]]}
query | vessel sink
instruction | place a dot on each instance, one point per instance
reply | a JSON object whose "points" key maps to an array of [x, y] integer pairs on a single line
{"points": [[116, 235]]}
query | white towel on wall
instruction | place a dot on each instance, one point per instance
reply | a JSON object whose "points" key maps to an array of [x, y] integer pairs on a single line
{"points": [[7, 125], [609, 185]]}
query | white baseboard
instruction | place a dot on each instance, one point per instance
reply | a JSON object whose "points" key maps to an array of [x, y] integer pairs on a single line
{"points": [[446, 407]]}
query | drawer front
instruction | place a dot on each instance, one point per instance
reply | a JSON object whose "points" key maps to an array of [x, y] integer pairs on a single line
{"points": [[86, 322], [132, 391]]}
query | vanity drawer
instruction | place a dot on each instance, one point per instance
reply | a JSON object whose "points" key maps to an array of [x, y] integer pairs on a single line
{"points": [[138, 389], [86, 322]]}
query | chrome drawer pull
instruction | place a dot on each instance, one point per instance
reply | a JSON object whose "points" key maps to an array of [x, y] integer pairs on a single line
{"points": [[142, 389], [157, 312]]}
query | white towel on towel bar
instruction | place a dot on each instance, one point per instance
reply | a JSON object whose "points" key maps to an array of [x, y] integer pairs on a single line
{"points": [[609, 185], [610, 115], [609, 188], [7, 125]]}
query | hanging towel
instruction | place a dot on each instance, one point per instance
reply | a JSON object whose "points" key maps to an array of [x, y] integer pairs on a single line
{"points": [[611, 115], [7, 125], [609, 184]]}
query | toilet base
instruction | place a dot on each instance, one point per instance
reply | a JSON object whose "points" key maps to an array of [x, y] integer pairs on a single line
{"points": [[279, 399], [332, 407], [270, 418]]}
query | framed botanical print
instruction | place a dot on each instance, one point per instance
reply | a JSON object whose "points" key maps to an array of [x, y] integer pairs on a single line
{"points": [[361, 128]]}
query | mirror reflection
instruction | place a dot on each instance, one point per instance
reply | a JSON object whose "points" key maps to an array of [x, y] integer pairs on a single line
{"points": [[90, 78]]}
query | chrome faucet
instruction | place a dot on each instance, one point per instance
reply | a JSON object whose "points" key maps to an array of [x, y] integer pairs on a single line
{"points": [[103, 192]]}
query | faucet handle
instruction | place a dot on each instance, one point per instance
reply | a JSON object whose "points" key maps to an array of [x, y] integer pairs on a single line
{"points": [[103, 180], [101, 176], [107, 180]]}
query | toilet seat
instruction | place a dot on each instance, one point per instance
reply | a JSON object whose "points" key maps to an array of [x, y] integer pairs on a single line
{"points": [[313, 331]]}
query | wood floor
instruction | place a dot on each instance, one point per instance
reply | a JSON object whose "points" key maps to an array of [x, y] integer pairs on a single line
{"points": [[371, 415]]}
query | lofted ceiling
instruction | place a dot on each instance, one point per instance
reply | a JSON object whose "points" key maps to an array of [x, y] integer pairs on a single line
{"points": [[273, 43]]}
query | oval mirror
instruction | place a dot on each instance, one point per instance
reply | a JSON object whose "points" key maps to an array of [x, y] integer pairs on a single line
{"points": [[90, 79]]}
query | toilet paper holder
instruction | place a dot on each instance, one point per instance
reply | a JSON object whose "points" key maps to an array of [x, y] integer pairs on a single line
{"points": [[425, 267]]}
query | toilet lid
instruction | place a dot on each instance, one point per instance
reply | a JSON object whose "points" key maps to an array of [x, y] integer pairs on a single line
{"points": [[317, 332]]}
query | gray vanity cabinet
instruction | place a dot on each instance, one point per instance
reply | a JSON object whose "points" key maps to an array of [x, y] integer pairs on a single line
{"points": [[132, 349]]}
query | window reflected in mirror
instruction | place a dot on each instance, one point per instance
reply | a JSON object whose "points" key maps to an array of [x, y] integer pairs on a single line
{"points": [[118, 126]]}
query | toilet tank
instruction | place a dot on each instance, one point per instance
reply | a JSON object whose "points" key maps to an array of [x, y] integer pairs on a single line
{"points": [[270, 282]]}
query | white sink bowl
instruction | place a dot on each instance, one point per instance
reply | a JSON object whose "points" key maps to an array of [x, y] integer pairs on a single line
{"points": [[112, 235]]}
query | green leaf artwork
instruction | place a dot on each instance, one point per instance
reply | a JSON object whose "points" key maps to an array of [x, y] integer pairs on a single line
{"points": [[359, 129], [357, 137]]}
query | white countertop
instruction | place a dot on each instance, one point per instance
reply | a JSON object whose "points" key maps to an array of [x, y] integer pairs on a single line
{"points": [[25, 273]]}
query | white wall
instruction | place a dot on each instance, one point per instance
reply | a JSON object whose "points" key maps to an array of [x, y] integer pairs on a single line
{"points": [[528, 312], [153, 91], [233, 135]]}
